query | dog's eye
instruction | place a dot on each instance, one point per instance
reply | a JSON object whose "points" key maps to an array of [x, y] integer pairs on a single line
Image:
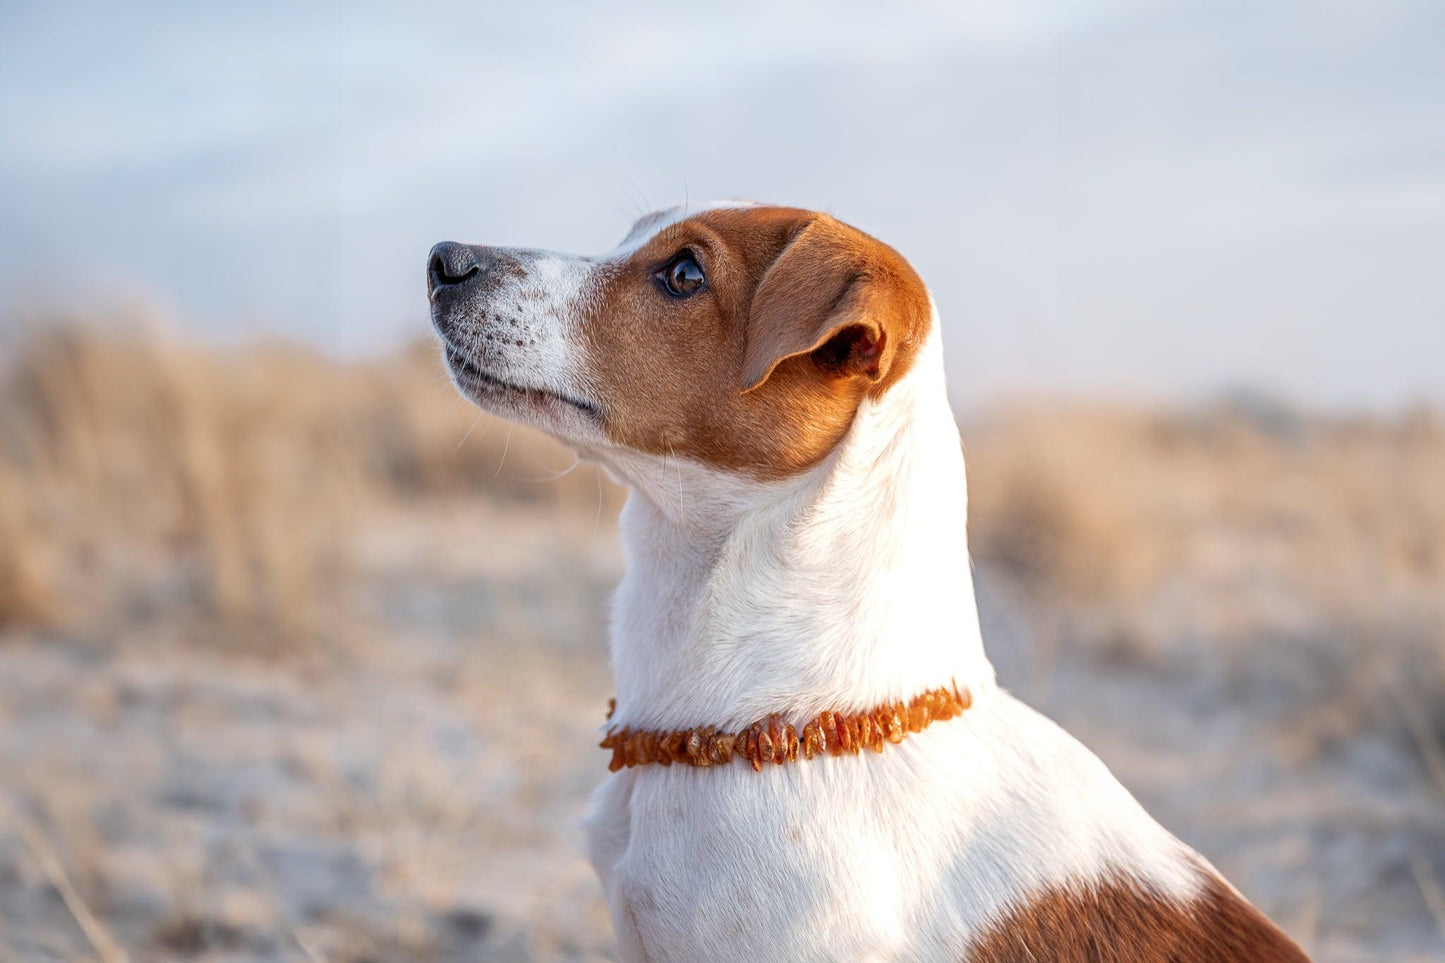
{"points": [[683, 277]]}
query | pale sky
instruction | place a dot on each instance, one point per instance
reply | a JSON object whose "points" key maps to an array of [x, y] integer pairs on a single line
{"points": [[1158, 198]]}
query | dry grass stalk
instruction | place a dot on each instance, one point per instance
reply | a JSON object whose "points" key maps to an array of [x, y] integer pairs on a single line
{"points": [[1430, 889], [105, 946], [26, 582]]}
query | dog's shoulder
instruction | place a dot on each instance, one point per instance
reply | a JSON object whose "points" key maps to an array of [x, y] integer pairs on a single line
{"points": [[1118, 921], [1092, 877], [1104, 883]]}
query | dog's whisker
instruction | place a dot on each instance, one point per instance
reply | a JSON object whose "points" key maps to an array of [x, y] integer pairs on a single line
{"points": [[554, 476], [597, 522], [681, 498], [505, 447], [643, 206], [468, 433]]}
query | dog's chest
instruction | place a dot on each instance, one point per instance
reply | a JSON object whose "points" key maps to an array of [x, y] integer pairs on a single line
{"points": [[824, 860]]}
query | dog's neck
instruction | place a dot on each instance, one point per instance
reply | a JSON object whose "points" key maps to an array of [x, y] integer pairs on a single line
{"points": [[841, 589]]}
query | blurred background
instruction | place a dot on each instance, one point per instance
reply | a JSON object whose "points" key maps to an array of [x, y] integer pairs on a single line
{"points": [[302, 659]]}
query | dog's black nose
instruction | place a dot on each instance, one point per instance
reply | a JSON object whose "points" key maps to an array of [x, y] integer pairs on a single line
{"points": [[450, 263]]}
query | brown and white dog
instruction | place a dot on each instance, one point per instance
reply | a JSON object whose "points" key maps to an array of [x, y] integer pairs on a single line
{"points": [[769, 382]]}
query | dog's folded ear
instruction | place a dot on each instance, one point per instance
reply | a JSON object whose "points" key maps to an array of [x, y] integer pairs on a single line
{"points": [[849, 301]]}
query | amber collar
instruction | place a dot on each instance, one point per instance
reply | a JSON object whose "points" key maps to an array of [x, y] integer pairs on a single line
{"points": [[776, 741]]}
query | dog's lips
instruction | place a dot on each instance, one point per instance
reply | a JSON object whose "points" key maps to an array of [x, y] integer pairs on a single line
{"points": [[476, 382]]}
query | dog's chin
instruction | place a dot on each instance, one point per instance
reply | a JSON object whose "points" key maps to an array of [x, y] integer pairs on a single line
{"points": [[552, 412]]}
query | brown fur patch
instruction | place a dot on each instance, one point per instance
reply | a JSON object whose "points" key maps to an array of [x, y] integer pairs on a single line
{"points": [[1118, 922], [670, 373]]}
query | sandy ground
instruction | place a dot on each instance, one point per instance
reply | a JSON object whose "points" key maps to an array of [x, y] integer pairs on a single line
{"points": [[414, 793]]}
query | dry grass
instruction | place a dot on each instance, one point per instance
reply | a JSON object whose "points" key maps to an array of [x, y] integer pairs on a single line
{"points": [[140, 473], [1306, 546], [412, 792], [1112, 502], [26, 582]]}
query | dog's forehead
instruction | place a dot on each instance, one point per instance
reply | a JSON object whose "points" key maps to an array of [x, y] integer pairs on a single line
{"points": [[648, 226]]}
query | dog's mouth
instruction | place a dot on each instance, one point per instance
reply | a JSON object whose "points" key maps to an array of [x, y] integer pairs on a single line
{"points": [[482, 388]]}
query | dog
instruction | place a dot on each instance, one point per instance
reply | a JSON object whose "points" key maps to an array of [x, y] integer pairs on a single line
{"points": [[811, 757]]}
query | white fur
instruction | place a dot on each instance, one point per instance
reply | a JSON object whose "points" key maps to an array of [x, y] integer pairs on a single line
{"points": [[842, 588], [827, 591], [541, 305]]}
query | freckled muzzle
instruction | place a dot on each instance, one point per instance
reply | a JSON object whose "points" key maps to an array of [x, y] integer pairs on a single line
{"points": [[462, 277], [502, 314], [464, 282]]}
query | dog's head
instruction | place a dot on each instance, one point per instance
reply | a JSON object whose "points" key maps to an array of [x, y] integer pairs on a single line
{"points": [[742, 337]]}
